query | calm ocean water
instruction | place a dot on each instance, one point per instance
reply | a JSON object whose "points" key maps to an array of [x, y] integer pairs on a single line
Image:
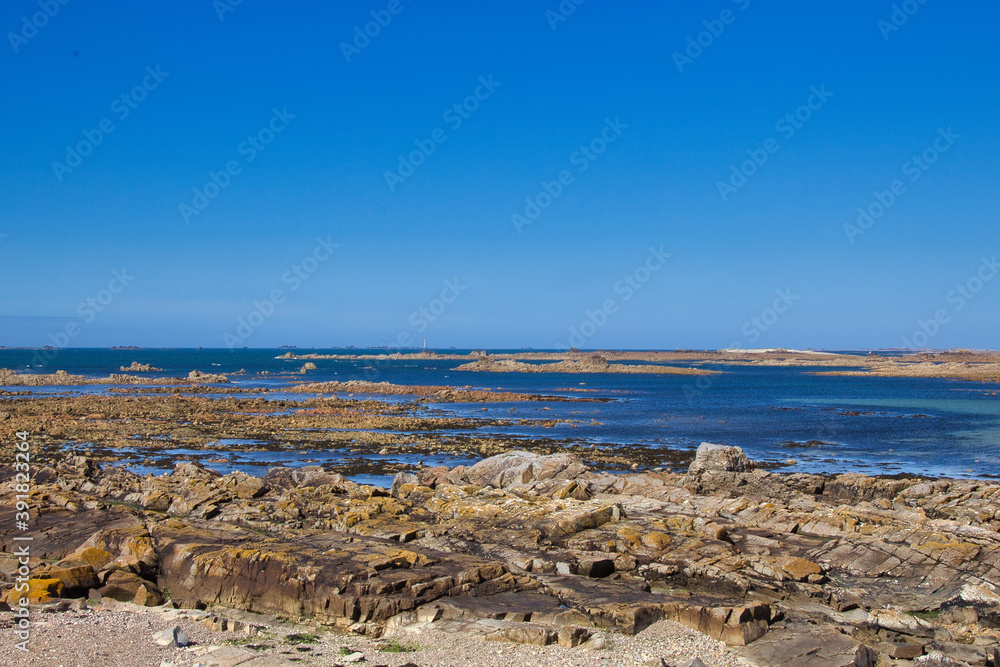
{"points": [[826, 424]]}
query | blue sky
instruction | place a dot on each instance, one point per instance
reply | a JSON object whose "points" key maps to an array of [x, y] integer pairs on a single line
{"points": [[330, 121]]}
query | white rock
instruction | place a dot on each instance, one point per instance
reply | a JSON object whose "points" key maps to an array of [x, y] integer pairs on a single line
{"points": [[938, 659], [983, 594], [719, 458], [596, 643], [172, 636], [357, 656], [897, 621], [429, 614]]}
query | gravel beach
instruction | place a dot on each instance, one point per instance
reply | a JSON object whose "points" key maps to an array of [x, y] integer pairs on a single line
{"points": [[113, 638]]}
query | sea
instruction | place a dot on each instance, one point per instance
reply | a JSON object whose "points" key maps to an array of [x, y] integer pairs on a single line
{"points": [[785, 418]]}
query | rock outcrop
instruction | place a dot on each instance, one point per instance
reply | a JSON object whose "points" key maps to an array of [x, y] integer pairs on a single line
{"points": [[719, 458], [590, 363], [843, 570], [198, 377], [516, 469], [431, 393], [62, 378], [135, 366]]}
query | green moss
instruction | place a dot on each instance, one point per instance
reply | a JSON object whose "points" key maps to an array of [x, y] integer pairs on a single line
{"points": [[393, 646], [302, 638]]}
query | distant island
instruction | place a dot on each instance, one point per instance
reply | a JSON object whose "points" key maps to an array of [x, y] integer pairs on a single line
{"points": [[958, 364]]}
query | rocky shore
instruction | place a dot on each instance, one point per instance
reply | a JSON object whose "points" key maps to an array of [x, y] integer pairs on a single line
{"points": [[143, 425], [980, 371], [592, 363], [540, 551], [10, 378], [431, 393], [568, 362]]}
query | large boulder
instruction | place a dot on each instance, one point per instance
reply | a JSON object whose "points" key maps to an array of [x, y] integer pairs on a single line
{"points": [[194, 470], [519, 469], [400, 480], [243, 485], [76, 580], [83, 466], [719, 458], [39, 591], [307, 476]]}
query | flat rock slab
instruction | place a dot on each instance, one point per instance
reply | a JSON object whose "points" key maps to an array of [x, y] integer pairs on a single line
{"points": [[806, 647], [227, 656], [522, 606], [233, 656], [625, 607], [335, 578]]}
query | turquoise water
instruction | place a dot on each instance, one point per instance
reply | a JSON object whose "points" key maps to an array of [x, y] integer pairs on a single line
{"points": [[826, 424]]}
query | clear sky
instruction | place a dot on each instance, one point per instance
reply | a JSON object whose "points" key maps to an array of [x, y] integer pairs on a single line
{"points": [[585, 176]]}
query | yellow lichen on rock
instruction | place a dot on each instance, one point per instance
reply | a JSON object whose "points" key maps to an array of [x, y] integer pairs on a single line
{"points": [[39, 591]]}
